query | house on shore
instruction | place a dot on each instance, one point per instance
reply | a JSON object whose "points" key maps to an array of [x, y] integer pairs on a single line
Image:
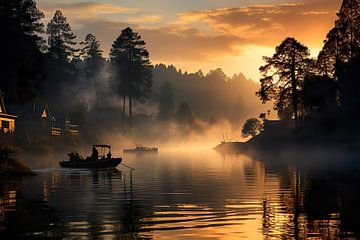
{"points": [[38, 120], [7, 121]]}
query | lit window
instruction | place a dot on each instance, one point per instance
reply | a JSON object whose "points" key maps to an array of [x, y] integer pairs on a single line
{"points": [[5, 124]]}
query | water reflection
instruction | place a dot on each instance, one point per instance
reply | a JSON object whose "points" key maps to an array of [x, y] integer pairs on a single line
{"points": [[176, 195]]}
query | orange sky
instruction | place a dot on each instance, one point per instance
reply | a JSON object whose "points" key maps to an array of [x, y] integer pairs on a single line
{"points": [[204, 34]]}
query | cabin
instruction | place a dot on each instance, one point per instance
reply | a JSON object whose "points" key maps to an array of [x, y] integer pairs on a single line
{"points": [[7, 121], [39, 120], [71, 129]]}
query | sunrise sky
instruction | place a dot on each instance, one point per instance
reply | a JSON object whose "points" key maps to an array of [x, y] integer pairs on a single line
{"points": [[203, 34]]}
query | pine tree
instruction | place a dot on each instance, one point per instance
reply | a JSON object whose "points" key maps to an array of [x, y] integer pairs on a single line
{"points": [[94, 62], [21, 44], [283, 75], [342, 43], [60, 38], [184, 114], [131, 68]]}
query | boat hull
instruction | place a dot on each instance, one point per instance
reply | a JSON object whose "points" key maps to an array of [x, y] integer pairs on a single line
{"points": [[101, 163], [134, 150]]}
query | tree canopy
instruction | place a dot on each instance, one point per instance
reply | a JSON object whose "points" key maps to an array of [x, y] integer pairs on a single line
{"points": [[21, 44], [252, 127], [166, 102], [60, 38], [283, 75], [131, 68]]}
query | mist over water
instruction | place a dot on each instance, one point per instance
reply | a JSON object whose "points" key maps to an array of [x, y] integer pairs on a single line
{"points": [[187, 193]]}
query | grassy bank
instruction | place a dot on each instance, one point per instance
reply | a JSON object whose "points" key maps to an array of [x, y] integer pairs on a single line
{"points": [[10, 167]]}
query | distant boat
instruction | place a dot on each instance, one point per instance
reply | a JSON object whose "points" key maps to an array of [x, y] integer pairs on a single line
{"points": [[141, 149], [96, 160]]}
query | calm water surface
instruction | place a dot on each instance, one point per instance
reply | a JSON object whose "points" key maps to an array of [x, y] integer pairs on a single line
{"points": [[181, 195]]}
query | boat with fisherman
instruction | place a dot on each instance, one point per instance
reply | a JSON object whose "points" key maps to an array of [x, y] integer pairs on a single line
{"points": [[141, 149], [101, 158]]}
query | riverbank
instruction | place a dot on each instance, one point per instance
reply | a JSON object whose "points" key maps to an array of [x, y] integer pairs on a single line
{"points": [[10, 166], [280, 138]]}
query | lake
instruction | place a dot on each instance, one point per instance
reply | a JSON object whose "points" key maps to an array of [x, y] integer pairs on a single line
{"points": [[189, 194]]}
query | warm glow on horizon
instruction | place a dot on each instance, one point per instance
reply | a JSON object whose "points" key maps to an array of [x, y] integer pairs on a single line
{"points": [[204, 35]]}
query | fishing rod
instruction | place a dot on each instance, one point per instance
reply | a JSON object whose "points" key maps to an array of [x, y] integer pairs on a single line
{"points": [[127, 166]]}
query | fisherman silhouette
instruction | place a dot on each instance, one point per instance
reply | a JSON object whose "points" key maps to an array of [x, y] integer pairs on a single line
{"points": [[95, 153]]}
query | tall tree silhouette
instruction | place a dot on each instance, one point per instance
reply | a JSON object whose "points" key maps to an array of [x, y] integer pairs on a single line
{"points": [[20, 45], [131, 68], [184, 114], [94, 62], [166, 102], [60, 38], [349, 27], [61, 68], [343, 41], [283, 75]]}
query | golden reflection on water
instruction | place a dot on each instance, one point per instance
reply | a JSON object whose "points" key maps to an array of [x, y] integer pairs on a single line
{"points": [[179, 195]]}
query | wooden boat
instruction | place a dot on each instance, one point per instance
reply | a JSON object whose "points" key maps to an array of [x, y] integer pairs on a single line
{"points": [[96, 160], [141, 149]]}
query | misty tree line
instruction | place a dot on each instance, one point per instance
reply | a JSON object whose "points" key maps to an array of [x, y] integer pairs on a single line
{"points": [[211, 97], [322, 91], [34, 68], [46, 63]]}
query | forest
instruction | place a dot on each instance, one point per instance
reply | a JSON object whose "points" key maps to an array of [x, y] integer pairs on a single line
{"points": [[316, 98], [47, 64]]}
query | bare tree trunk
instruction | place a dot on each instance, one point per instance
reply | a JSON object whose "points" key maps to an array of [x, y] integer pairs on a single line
{"points": [[123, 112], [294, 92], [97, 102], [130, 110]]}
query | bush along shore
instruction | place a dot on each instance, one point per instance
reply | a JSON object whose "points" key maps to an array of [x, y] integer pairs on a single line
{"points": [[10, 167]]}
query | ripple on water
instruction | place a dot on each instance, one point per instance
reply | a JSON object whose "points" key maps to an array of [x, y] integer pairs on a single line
{"points": [[167, 197]]}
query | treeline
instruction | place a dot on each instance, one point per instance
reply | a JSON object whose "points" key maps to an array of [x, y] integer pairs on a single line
{"points": [[47, 63], [212, 97], [320, 94]]}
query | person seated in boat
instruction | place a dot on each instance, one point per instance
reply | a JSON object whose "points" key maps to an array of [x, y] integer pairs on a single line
{"points": [[78, 157], [71, 156], [74, 157], [95, 153]]}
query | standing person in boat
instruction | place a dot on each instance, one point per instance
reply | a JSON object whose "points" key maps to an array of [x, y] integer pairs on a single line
{"points": [[95, 153]]}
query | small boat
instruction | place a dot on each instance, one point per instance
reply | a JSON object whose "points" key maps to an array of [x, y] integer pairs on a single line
{"points": [[96, 160], [141, 149]]}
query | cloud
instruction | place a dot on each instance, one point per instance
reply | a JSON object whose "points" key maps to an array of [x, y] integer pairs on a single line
{"points": [[145, 19], [86, 9], [215, 37], [268, 24], [165, 43]]}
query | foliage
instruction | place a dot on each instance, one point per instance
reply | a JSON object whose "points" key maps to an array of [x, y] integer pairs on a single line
{"points": [[166, 102], [263, 116], [319, 93], [60, 38], [283, 76], [20, 45], [343, 41], [131, 68], [184, 114], [212, 97], [251, 127], [9, 166], [91, 54]]}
